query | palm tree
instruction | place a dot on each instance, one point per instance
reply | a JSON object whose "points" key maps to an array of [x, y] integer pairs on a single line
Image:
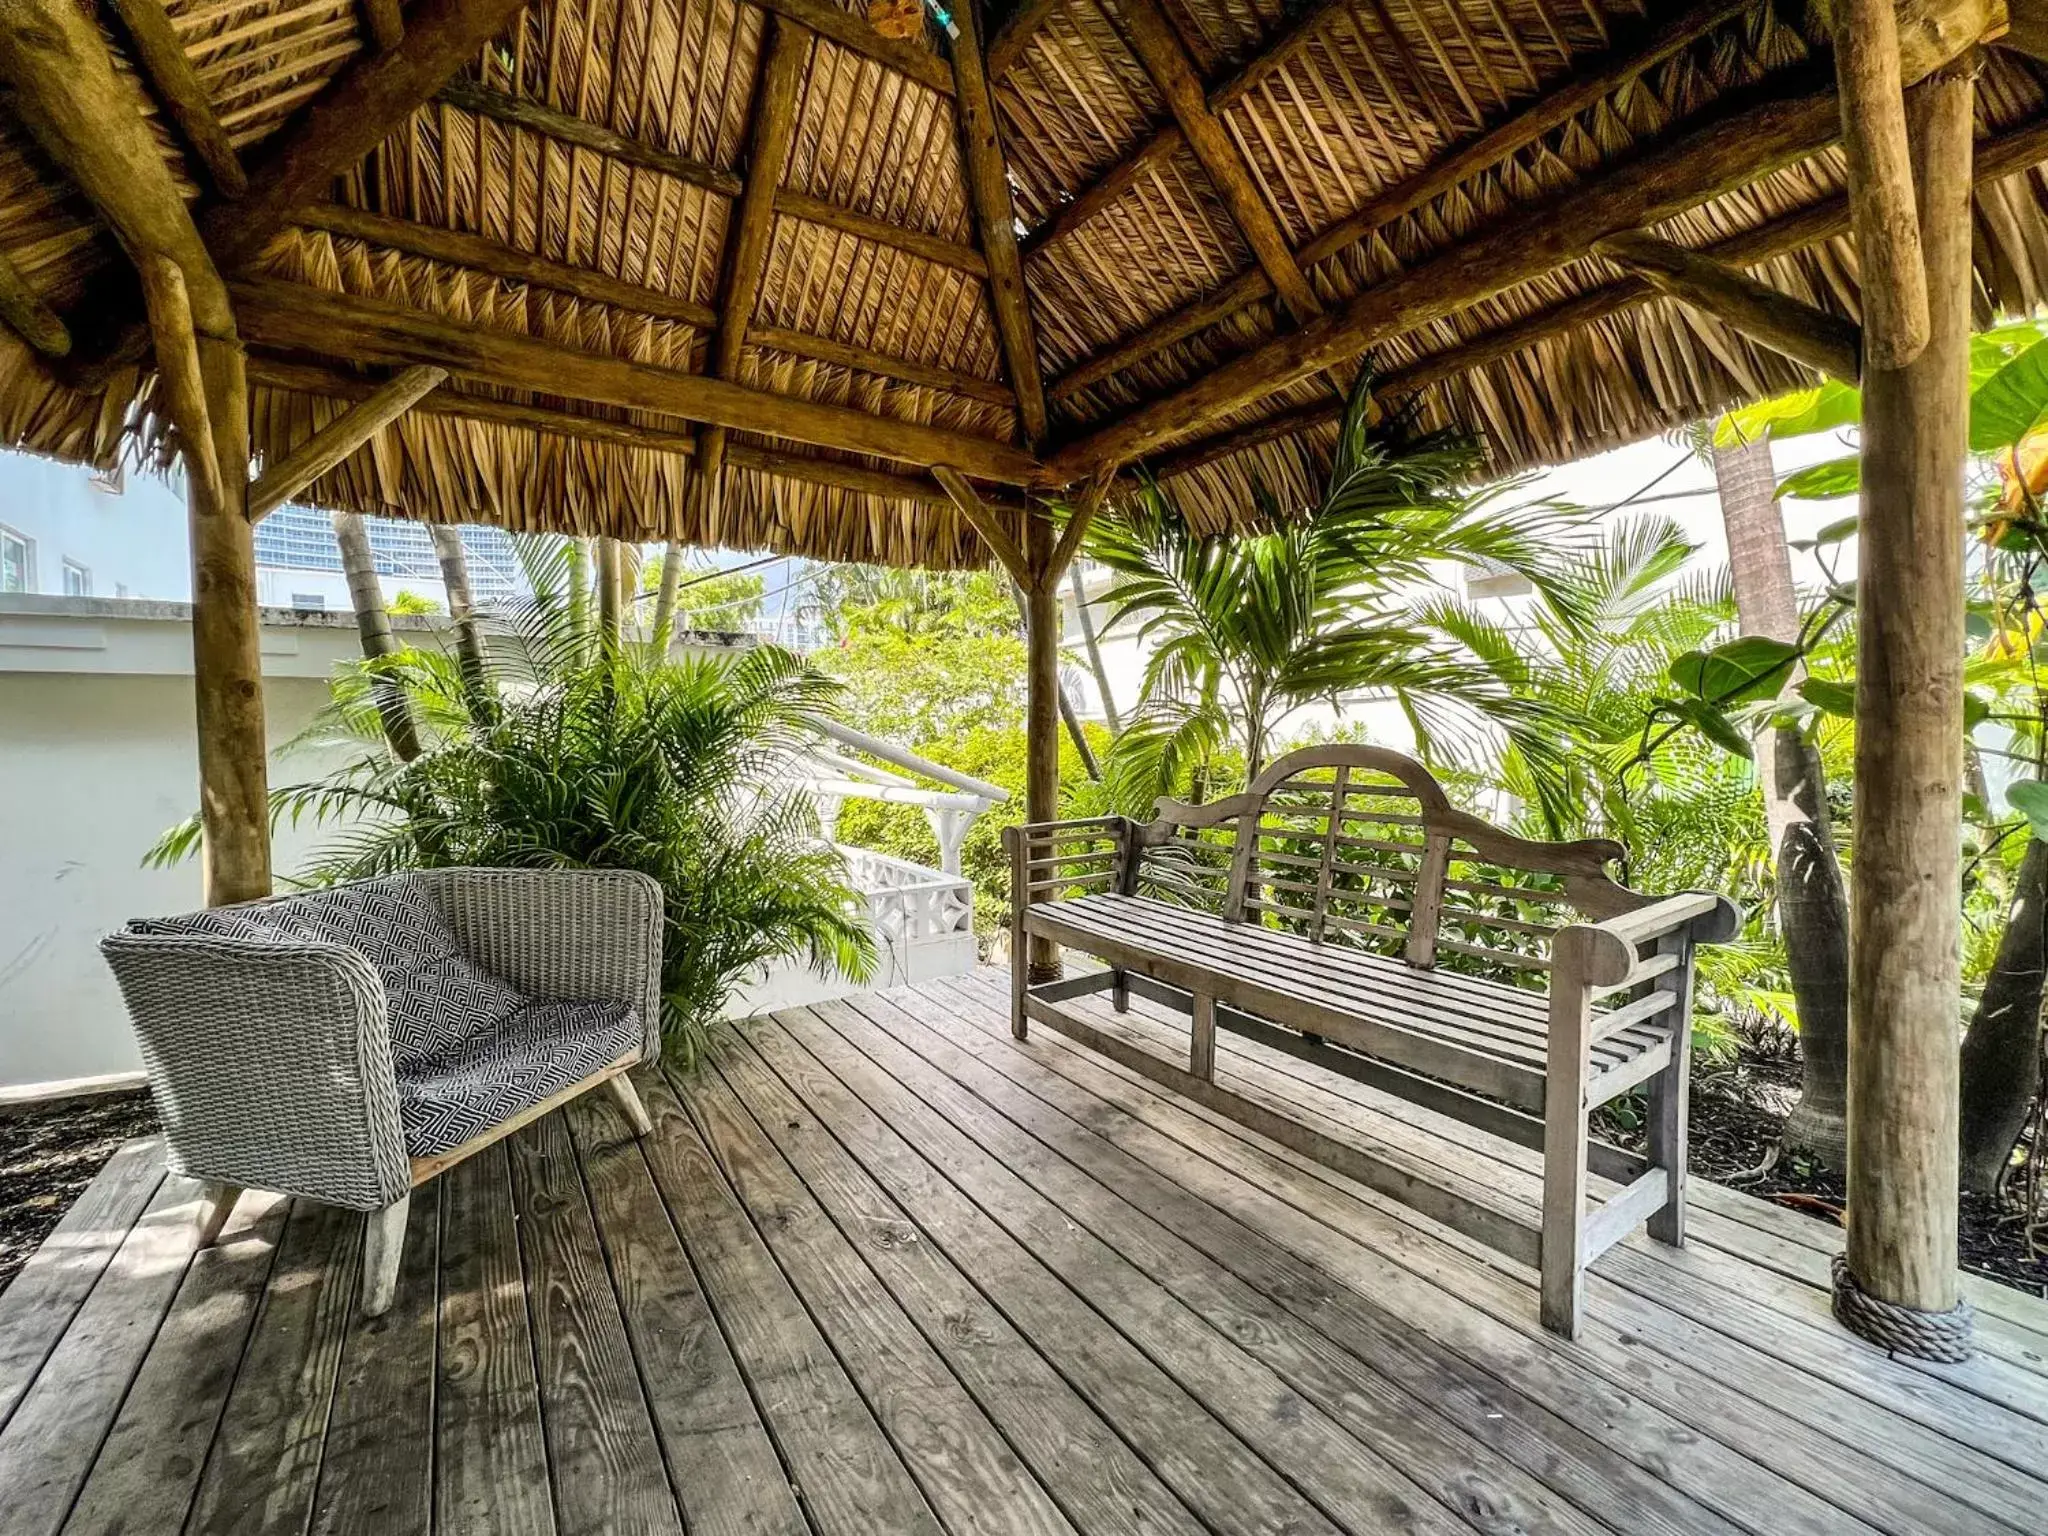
{"points": [[1243, 630], [373, 625]]}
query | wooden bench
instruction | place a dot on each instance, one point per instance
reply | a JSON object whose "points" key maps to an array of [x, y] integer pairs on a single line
{"points": [[1342, 910]]}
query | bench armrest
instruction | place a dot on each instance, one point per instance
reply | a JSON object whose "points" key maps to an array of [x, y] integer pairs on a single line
{"points": [[270, 1063], [583, 934], [1612, 947], [1048, 859]]}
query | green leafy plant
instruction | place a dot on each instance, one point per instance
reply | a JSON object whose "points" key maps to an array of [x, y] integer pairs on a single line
{"points": [[594, 755], [1243, 629]]}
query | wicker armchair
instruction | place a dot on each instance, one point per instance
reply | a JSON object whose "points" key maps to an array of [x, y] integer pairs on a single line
{"points": [[348, 1044]]}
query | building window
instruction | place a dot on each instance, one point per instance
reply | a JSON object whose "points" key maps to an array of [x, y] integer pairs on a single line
{"points": [[17, 562], [77, 580], [313, 600]]}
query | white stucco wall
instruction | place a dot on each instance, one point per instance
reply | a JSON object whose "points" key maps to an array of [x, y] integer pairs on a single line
{"points": [[97, 757]]}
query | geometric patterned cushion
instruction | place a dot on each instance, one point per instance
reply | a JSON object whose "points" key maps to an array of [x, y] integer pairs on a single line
{"points": [[436, 997], [452, 1096]]}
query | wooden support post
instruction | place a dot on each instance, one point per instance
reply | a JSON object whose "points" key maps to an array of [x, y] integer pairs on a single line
{"points": [[610, 591], [1041, 708], [1826, 343], [338, 439], [1880, 180], [1900, 1285], [227, 645]]}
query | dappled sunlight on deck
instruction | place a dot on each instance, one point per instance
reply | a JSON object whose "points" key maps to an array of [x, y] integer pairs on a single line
{"points": [[882, 1268]]}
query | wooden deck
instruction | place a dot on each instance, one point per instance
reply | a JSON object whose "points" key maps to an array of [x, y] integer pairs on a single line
{"points": [[882, 1270]]}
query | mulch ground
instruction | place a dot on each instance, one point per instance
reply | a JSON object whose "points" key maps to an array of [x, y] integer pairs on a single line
{"points": [[48, 1154], [1737, 1112]]}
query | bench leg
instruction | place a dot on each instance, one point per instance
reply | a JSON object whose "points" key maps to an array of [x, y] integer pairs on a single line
{"points": [[1562, 1246], [1119, 989], [1020, 941], [1202, 1038], [383, 1243], [1670, 1094], [216, 1205]]}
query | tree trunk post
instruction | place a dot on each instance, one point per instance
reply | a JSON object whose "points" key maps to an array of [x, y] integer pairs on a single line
{"points": [[1897, 1283], [470, 654], [227, 645], [1041, 709], [665, 599], [610, 591]]}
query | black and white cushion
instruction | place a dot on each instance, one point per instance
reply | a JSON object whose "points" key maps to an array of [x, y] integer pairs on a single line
{"points": [[539, 1049]]}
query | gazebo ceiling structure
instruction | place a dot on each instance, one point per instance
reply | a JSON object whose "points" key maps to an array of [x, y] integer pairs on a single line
{"points": [[647, 238]]}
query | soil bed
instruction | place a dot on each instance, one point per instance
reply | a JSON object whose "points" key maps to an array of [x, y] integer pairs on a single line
{"points": [[1737, 1112], [48, 1154]]}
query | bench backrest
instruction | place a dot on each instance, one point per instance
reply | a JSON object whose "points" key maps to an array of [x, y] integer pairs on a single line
{"points": [[1360, 845]]}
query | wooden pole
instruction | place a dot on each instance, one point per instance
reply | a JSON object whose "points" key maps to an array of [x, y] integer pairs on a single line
{"points": [[995, 218], [227, 645], [1041, 712], [33, 320], [1906, 895], [1826, 343], [338, 439], [169, 68], [1880, 181]]}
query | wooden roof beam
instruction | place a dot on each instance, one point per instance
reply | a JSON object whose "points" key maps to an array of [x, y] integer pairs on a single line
{"points": [[1826, 343], [291, 317], [995, 218], [1159, 146], [167, 67], [65, 91], [2005, 154], [339, 438], [368, 101], [852, 32], [540, 118], [1001, 543], [1696, 167], [1164, 56], [1013, 35], [482, 254], [28, 316], [751, 232], [455, 405], [385, 22], [1623, 63]]}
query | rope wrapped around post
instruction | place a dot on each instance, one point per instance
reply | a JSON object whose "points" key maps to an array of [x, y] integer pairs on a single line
{"points": [[1902, 1330]]}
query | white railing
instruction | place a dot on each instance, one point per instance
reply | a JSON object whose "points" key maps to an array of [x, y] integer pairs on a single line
{"points": [[922, 919]]}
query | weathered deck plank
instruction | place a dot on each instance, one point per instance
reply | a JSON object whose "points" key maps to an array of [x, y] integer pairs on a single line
{"points": [[882, 1267], [721, 1460], [603, 1458], [848, 1476]]}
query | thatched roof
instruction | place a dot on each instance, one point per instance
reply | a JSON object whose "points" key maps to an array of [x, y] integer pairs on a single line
{"points": [[1218, 206]]}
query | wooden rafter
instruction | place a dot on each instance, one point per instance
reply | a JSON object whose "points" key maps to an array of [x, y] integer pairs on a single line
{"points": [[569, 129], [482, 254], [772, 125], [1165, 59], [386, 23], [27, 315], [339, 438], [1695, 167], [1007, 43], [296, 318], [851, 31], [1826, 343], [455, 405], [1624, 63], [1000, 541], [169, 70], [2005, 154], [995, 218]]}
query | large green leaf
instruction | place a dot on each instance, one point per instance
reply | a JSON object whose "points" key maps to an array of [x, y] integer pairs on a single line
{"points": [[1835, 698], [2011, 402], [1825, 481], [1744, 671], [2030, 798], [1798, 414], [1715, 726]]}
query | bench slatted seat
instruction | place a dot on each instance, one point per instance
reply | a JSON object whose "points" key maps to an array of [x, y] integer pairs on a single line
{"points": [[1343, 910]]}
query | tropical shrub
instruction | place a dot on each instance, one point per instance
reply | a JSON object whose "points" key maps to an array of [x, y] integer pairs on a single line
{"points": [[586, 753]]}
